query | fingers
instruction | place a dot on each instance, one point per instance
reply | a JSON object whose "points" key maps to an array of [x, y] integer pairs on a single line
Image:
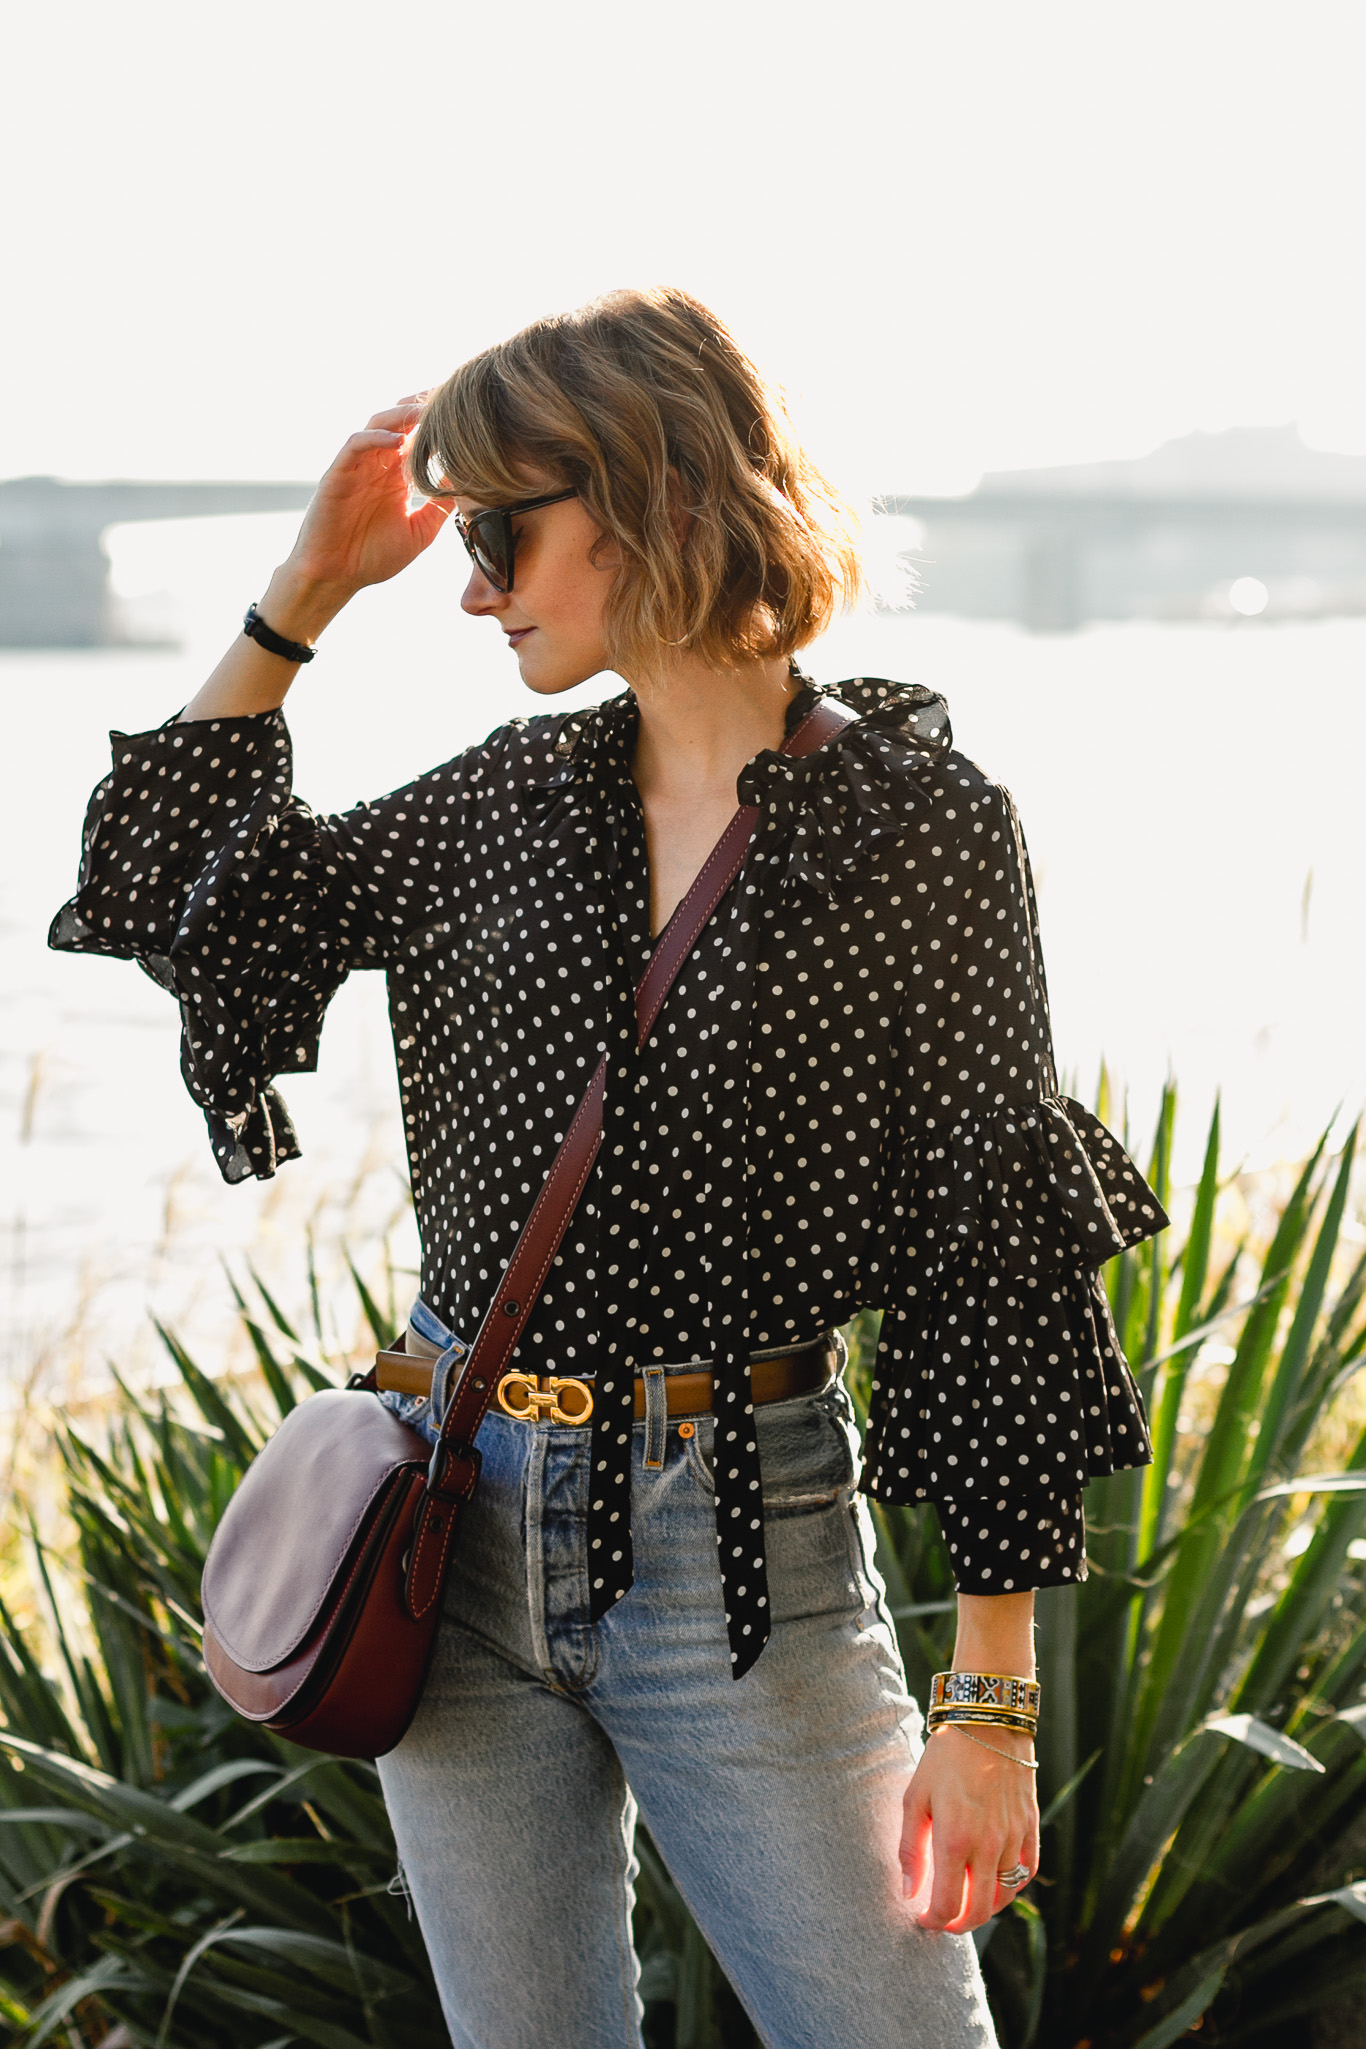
{"points": [[984, 1821], [1025, 1859], [375, 437], [917, 1862], [983, 1896], [402, 416], [370, 449], [966, 1888], [426, 522], [950, 1872], [1027, 1856], [360, 450]]}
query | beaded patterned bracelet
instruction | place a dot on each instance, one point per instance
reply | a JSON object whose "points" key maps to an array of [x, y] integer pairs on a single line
{"points": [[985, 1690]]}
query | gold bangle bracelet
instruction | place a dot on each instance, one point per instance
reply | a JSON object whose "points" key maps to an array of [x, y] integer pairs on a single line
{"points": [[985, 1707], [980, 1722], [999, 1718], [985, 1689]]}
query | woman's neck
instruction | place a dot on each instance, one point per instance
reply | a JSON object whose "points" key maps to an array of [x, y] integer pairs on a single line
{"points": [[699, 726]]}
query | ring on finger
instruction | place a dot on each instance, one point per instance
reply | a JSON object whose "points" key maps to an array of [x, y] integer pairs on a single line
{"points": [[1017, 1876]]}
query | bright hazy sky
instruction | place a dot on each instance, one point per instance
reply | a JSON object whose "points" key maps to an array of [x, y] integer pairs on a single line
{"points": [[968, 235]]}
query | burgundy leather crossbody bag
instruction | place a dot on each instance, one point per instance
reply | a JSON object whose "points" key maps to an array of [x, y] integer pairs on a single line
{"points": [[323, 1585]]}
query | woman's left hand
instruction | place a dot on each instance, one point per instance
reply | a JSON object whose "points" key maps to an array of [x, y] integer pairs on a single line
{"points": [[968, 1816]]}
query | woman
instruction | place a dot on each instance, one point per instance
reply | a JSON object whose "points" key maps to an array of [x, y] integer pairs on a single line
{"points": [[848, 1099]]}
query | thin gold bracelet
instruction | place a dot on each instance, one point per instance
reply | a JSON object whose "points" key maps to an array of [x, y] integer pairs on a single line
{"points": [[1025, 1762]]}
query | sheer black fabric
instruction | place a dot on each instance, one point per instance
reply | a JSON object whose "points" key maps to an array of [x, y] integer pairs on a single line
{"points": [[849, 1099]]}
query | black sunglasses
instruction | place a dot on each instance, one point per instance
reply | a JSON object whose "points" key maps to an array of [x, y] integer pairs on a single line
{"points": [[489, 538]]}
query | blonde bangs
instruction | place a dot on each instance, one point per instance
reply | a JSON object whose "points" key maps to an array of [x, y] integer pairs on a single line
{"points": [[645, 405]]}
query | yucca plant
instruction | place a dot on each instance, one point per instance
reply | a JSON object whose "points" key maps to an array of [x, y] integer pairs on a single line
{"points": [[174, 1879], [170, 1876], [1203, 1773]]}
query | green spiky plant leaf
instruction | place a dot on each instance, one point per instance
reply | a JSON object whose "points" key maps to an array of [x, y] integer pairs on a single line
{"points": [[170, 1877], [170, 1872], [1203, 1743]]}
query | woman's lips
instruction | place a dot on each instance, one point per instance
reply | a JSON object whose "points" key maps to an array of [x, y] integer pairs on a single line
{"points": [[516, 639]]}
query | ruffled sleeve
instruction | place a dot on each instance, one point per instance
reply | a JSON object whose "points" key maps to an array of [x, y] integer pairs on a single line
{"points": [[198, 863], [1000, 1387]]}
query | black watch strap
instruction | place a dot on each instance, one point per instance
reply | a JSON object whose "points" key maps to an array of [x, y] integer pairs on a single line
{"points": [[255, 628]]}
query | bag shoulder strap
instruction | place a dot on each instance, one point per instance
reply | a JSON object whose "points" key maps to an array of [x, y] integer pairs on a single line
{"points": [[542, 1234]]}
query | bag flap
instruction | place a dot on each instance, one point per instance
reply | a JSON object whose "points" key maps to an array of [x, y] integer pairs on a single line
{"points": [[295, 1522]]}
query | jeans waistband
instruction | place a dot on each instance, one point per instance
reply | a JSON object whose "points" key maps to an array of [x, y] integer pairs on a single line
{"points": [[428, 1338]]}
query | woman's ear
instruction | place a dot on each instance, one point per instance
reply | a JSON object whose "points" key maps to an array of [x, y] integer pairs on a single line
{"points": [[680, 519]]}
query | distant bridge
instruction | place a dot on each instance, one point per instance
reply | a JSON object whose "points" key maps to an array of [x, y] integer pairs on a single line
{"points": [[1160, 537], [54, 572], [1052, 561], [1163, 537]]}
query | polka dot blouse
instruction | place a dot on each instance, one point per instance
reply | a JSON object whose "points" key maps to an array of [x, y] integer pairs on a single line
{"points": [[848, 1100]]}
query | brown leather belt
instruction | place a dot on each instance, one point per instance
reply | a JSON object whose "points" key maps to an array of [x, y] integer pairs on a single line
{"points": [[560, 1400]]}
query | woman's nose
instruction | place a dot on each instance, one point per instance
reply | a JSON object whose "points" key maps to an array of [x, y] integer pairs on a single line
{"points": [[479, 596]]}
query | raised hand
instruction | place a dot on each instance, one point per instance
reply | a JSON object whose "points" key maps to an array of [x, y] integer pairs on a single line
{"points": [[358, 528]]}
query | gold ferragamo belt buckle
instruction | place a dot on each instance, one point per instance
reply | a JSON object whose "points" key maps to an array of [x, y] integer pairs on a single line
{"points": [[531, 1396]]}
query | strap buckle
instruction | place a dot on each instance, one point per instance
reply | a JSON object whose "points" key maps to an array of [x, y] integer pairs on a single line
{"points": [[533, 1397]]}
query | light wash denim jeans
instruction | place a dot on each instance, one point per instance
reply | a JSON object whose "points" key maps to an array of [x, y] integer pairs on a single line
{"points": [[775, 1800]]}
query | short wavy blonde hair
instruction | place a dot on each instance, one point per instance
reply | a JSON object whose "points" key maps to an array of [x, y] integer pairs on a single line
{"points": [[608, 401]]}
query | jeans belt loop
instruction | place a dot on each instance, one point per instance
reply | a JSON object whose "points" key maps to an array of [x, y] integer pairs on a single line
{"points": [[656, 1417], [442, 1370]]}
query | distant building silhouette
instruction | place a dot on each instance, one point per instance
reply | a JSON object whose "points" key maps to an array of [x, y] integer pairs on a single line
{"points": [[54, 573], [1163, 537]]}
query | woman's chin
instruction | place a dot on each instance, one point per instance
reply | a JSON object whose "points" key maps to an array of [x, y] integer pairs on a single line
{"points": [[548, 675]]}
